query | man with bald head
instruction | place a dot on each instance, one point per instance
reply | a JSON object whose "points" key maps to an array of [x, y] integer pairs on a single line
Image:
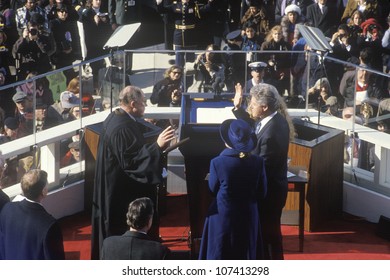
{"points": [[127, 167]]}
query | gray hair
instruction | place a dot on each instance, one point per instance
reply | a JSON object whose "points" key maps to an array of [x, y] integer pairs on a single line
{"points": [[130, 93], [266, 94]]}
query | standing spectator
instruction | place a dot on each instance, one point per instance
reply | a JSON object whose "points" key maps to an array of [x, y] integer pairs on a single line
{"points": [[235, 62], [278, 63], [251, 42], [66, 36], [31, 50], [322, 15], [24, 14], [209, 71], [186, 14], [97, 31], [36, 235], [281, 5], [52, 8], [369, 9], [6, 102], [354, 23], [6, 59], [386, 45], [257, 16], [289, 24], [257, 73], [238, 182], [268, 114], [126, 167], [135, 244], [163, 89]]}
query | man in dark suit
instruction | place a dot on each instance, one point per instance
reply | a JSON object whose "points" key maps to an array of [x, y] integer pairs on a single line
{"points": [[135, 244], [127, 167], [267, 114], [27, 231], [323, 15], [3, 199]]}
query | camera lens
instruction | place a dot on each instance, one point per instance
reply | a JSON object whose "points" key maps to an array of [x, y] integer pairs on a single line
{"points": [[33, 32]]}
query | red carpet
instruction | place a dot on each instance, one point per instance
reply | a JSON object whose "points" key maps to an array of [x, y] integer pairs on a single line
{"points": [[343, 239]]}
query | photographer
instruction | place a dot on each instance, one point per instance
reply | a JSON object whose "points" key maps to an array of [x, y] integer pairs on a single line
{"points": [[163, 89], [31, 52], [209, 71]]}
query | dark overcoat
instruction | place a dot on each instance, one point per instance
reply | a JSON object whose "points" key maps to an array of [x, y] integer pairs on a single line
{"points": [[126, 168], [28, 232], [272, 144], [232, 224], [133, 246]]}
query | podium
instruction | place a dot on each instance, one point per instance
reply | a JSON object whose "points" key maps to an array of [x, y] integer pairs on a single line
{"points": [[318, 150], [205, 144]]}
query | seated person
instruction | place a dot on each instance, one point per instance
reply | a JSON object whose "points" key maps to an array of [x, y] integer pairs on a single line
{"points": [[72, 156], [24, 113], [135, 244]]}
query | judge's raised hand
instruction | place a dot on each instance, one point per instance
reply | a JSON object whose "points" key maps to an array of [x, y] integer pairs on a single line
{"points": [[165, 137], [238, 96]]}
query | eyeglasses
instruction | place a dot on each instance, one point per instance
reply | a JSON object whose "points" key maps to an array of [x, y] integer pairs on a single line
{"points": [[176, 72]]}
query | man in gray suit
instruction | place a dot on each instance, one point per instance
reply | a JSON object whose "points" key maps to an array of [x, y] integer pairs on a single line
{"points": [[135, 244]]}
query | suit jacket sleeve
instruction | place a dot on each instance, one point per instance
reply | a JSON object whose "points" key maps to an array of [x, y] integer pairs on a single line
{"points": [[54, 247]]}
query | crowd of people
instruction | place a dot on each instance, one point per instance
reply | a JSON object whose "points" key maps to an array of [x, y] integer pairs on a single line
{"points": [[38, 36]]}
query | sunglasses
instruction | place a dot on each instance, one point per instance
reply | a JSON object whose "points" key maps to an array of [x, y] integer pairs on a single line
{"points": [[175, 72]]}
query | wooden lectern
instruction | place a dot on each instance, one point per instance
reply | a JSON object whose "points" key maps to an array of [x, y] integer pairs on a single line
{"points": [[318, 150]]}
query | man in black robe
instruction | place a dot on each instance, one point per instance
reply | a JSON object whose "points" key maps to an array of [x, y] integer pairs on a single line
{"points": [[126, 167]]}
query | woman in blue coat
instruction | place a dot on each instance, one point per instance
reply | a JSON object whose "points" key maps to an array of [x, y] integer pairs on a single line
{"points": [[238, 182]]}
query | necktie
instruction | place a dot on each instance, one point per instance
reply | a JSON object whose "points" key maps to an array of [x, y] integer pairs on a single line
{"points": [[258, 127]]}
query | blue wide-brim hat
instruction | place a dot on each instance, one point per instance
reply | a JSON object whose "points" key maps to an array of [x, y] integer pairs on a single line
{"points": [[238, 134]]}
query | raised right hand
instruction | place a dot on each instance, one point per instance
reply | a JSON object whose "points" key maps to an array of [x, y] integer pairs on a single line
{"points": [[238, 96], [165, 137]]}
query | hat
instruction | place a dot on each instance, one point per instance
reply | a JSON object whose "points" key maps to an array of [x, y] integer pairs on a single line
{"points": [[19, 96], [11, 123], [253, 3], [257, 65], [74, 145], [292, 8], [69, 100], [61, 7], [234, 35], [238, 134]]}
